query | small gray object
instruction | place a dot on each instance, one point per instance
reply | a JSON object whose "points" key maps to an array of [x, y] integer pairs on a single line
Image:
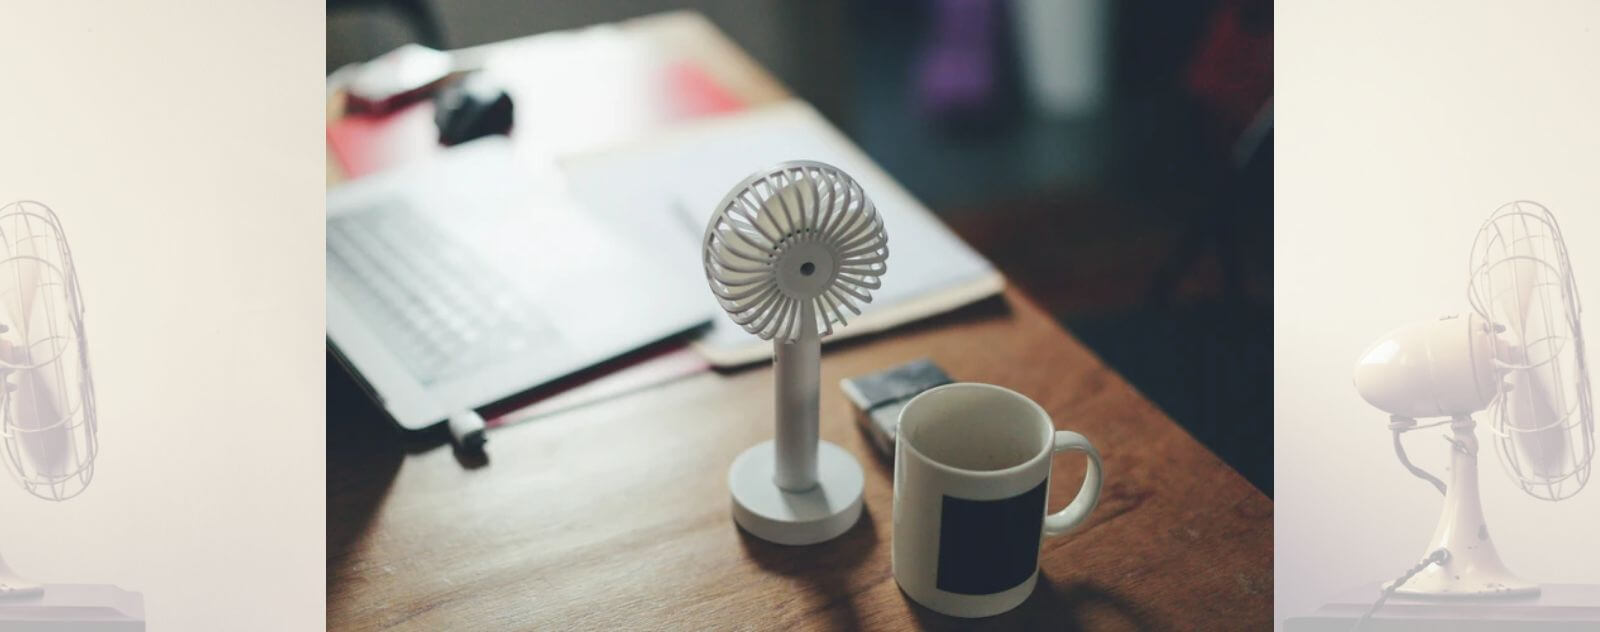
{"points": [[879, 397]]}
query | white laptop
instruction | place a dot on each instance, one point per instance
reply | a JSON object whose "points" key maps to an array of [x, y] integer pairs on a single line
{"points": [[464, 280]]}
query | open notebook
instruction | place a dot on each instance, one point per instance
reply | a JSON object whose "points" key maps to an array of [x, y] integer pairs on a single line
{"points": [[661, 191]]}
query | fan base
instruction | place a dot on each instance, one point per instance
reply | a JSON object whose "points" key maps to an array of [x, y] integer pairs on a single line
{"points": [[819, 514], [15, 587], [1445, 583]]}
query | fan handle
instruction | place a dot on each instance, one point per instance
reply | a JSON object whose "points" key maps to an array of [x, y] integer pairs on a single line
{"points": [[797, 371]]}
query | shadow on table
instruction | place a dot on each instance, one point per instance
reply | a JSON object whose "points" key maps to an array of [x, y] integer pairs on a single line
{"points": [[364, 451], [826, 570], [1077, 605], [365, 448]]}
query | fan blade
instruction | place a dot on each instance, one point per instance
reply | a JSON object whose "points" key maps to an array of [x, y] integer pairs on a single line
{"points": [[1526, 270], [1536, 404], [22, 274], [44, 435], [1534, 413]]}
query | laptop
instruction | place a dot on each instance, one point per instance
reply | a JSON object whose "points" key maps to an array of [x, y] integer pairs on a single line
{"points": [[468, 278]]}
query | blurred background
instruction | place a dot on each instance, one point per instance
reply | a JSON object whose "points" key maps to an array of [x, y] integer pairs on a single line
{"points": [[1114, 159]]}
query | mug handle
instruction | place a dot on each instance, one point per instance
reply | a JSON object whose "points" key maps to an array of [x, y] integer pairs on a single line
{"points": [[1078, 510]]}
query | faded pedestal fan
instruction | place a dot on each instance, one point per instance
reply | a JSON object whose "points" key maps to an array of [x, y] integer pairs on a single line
{"points": [[1517, 356], [787, 252], [48, 419]]}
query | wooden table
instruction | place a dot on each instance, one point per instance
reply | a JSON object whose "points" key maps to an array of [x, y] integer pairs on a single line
{"points": [[616, 515]]}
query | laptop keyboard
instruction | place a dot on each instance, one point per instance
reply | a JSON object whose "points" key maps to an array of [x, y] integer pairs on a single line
{"points": [[442, 310]]}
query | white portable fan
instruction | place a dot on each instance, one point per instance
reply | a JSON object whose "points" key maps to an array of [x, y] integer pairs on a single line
{"points": [[787, 252], [48, 421], [1518, 355]]}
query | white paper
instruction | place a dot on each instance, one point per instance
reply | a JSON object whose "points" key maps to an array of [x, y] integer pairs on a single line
{"points": [[662, 191]]}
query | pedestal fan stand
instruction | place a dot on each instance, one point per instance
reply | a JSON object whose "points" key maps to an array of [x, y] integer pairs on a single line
{"points": [[13, 586], [1473, 567], [796, 488]]}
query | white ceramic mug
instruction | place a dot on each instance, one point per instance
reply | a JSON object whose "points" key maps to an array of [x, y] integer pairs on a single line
{"points": [[971, 478]]}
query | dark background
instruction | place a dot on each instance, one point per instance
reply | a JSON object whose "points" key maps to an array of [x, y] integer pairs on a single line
{"points": [[1143, 225]]}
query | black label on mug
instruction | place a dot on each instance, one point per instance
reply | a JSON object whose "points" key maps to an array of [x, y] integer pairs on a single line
{"points": [[986, 546]]}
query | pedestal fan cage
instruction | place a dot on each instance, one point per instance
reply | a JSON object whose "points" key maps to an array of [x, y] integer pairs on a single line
{"points": [[1519, 258], [47, 411]]}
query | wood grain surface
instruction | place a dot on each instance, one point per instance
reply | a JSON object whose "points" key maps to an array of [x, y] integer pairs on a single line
{"points": [[616, 516]]}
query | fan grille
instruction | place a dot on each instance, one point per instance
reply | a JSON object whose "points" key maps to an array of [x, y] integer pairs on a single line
{"points": [[1522, 284], [48, 422], [801, 236]]}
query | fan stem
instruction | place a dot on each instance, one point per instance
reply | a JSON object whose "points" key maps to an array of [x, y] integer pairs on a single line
{"points": [[797, 366], [1473, 567]]}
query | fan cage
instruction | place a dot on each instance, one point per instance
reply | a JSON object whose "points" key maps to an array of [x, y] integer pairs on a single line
{"points": [[1495, 293], [797, 206], [50, 443]]}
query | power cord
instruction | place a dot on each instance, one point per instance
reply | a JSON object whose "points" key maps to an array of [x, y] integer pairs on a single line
{"points": [[1438, 556], [1401, 425]]}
